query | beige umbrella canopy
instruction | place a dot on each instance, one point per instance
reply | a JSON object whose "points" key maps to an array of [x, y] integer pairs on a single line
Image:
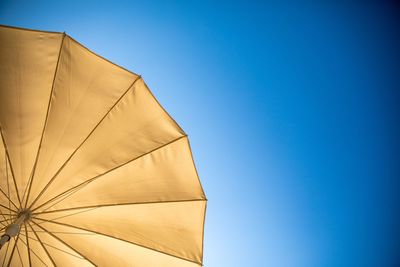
{"points": [[93, 171]]}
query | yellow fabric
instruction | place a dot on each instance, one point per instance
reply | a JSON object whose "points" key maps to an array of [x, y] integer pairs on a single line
{"points": [[107, 174], [97, 248], [28, 61]]}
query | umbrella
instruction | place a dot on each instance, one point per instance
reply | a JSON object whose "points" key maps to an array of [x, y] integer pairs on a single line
{"points": [[93, 171]]}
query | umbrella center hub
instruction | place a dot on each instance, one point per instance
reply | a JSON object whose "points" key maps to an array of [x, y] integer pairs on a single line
{"points": [[24, 215]]}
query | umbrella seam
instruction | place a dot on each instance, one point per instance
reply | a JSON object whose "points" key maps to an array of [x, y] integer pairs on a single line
{"points": [[112, 169], [27, 29], [97, 55], [29, 187], [87, 137], [121, 204], [163, 109]]}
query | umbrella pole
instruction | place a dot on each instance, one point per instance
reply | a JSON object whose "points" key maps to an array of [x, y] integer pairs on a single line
{"points": [[14, 228]]}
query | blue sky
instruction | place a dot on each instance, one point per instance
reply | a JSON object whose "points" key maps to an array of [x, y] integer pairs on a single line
{"points": [[291, 109]]}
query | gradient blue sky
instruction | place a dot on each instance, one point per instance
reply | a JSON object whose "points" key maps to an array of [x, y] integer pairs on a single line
{"points": [[292, 111]]}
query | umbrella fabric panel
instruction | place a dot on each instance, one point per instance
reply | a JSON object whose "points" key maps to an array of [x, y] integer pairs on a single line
{"points": [[38, 254], [61, 253], [107, 251], [166, 174], [8, 195], [86, 87], [28, 61], [135, 126], [175, 228]]}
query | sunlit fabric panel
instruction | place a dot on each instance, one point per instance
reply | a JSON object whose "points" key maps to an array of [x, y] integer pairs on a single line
{"points": [[136, 125], [86, 87], [174, 228], [28, 61], [166, 174], [106, 251]]}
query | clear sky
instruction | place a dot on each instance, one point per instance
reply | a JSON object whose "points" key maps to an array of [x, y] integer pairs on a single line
{"points": [[292, 111]]}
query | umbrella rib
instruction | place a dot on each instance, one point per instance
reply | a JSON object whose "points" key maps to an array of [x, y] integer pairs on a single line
{"points": [[12, 253], [97, 55], [120, 204], [27, 244], [133, 243], [26, 29], [87, 137], [20, 258], [68, 215], [41, 243], [29, 185], [1, 205], [65, 233], [165, 111], [6, 220], [62, 241], [194, 165], [59, 249], [11, 167], [110, 170], [8, 198], [202, 231], [31, 250], [8, 185]]}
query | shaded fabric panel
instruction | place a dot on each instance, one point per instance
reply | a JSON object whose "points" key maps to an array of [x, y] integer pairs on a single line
{"points": [[28, 62], [106, 251], [166, 174], [86, 87], [175, 228], [136, 126], [39, 256]]}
